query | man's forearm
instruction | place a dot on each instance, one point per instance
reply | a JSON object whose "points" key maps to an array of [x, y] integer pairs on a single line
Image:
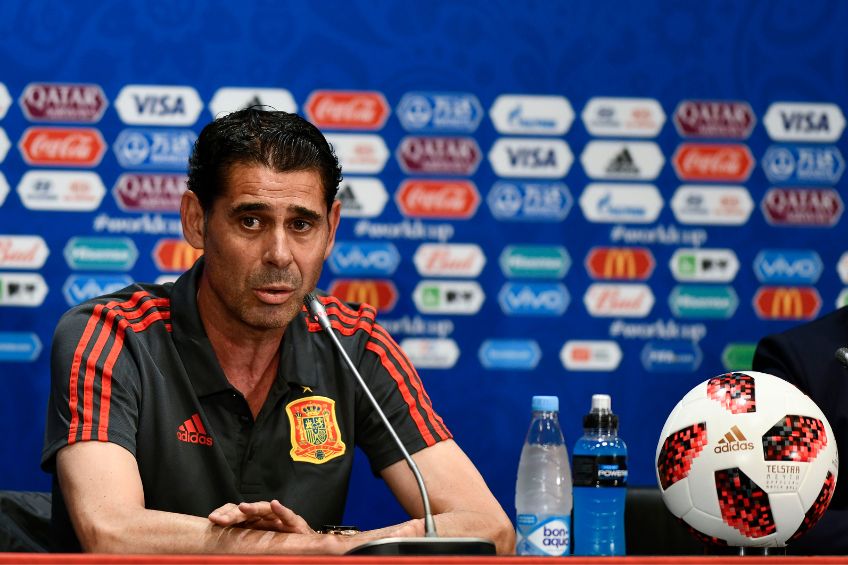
{"points": [[462, 523]]}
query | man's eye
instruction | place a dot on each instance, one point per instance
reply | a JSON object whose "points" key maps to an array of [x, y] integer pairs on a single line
{"points": [[250, 222], [301, 225]]}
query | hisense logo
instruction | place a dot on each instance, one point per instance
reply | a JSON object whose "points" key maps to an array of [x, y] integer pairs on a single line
{"points": [[733, 440]]}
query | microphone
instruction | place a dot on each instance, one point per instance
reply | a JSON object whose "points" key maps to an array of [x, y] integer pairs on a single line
{"points": [[842, 356], [431, 544]]}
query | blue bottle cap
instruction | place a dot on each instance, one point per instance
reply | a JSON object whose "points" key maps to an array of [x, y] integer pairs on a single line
{"points": [[546, 404]]}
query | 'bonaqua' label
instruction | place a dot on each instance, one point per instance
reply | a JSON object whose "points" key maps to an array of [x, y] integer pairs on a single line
{"points": [[542, 535]]}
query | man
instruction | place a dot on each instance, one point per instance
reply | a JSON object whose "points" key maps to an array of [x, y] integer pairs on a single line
{"points": [[171, 404], [804, 356]]}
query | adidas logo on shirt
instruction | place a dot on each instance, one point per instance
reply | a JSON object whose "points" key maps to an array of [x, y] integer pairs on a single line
{"points": [[733, 440], [193, 431]]}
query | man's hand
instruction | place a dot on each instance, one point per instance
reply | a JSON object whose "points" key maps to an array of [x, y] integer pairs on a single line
{"points": [[271, 516]]}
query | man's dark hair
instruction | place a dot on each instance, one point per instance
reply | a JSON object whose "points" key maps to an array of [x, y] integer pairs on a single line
{"points": [[278, 140]]}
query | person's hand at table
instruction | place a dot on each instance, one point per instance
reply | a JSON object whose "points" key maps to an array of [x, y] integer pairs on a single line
{"points": [[263, 515]]}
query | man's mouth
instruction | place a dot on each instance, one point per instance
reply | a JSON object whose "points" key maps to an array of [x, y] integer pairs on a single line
{"points": [[273, 294]]}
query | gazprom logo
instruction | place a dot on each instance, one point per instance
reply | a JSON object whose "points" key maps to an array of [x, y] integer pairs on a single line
{"points": [[364, 259], [533, 299], [19, 347], [510, 354], [79, 288], [671, 356], [788, 266]]}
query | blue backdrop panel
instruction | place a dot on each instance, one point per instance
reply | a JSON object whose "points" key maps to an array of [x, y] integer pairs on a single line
{"points": [[464, 53]]}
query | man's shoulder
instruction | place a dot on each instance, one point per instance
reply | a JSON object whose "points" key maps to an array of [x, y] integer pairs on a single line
{"points": [[135, 300], [346, 317]]}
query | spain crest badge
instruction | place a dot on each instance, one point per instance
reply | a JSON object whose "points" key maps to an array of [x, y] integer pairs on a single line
{"points": [[315, 434]]}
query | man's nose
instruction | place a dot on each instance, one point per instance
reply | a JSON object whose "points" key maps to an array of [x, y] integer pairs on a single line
{"points": [[277, 251]]}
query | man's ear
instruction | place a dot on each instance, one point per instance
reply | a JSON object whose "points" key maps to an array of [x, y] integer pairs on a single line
{"points": [[193, 219], [333, 218]]}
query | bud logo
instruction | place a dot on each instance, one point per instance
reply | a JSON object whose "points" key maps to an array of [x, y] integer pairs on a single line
{"points": [[421, 198], [150, 105], [531, 115], [443, 155], [359, 153], [347, 109], [430, 111], [101, 253], [22, 289], [510, 354], [617, 203], [62, 147], [703, 301], [623, 117], [788, 266], [380, 294], [713, 205], [448, 297], [431, 353], [792, 121], [533, 299], [535, 261], [51, 102], [733, 440], [580, 355], [796, 164], [671, 356], [22, 252], [449, 260], [61, 190], [362, 197], [529, 201], [19, 347], [714, 118], [618, 160], [154, 148], [738, 356], [175, 255], [229, 99], [366, 259], [625, 300], [704, 265], [787, 302], [79, 288], [713, 162], [531, 157], [842, 268], [149, 192], [630, 263], [802, 207]]}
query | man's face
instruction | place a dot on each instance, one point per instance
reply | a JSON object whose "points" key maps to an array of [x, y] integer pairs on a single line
{"points": [[265, 241]]}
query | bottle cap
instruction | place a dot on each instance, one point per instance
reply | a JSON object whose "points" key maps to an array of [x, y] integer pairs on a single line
{"points": [[601, 416], [601, 403], [545, 404]]}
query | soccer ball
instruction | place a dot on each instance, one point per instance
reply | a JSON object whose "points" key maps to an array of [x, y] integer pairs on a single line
{"points": [[747, 459]]}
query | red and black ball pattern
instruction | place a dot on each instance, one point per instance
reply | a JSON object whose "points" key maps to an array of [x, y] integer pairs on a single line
{"points": [[794, 438], [744, 505], [734, 391], [816, 510], [702, 537], [678, 451]]}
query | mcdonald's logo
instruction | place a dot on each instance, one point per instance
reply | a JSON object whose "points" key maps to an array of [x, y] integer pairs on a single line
{"points": [[380, 294], [787, 302], [174, 255], [628, 263]]}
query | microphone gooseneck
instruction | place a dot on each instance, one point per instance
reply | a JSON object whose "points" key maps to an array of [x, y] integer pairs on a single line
{"points": [[842, 356], [319, 314]]}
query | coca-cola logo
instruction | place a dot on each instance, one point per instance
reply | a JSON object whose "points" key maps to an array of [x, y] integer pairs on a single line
{"points": [[149, 192], [713, 162], [802, 206], [442, 155], [52, 102], [437, 199], [64, 147], [714, 118], [337, 109]]}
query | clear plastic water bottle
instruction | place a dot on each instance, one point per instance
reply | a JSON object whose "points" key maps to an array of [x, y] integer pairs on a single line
{"points": [[543, 488], [600, 479]]}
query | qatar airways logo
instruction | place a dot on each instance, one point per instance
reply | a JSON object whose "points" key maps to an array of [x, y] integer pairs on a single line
{"points": [[449, 260], [54, 102], [619, 300]]}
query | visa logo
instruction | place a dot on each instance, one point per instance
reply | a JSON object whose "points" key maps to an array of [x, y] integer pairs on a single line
{"points": [[775, 266], [367, 259], [533, 299], [805, 121], [533, 158], [79, 288], [163, 105]]}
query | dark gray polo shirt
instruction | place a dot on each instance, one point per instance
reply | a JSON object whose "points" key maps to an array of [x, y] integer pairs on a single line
{"points": [[136, 369]]}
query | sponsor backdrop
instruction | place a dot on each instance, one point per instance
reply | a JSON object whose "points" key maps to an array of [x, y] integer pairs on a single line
{"points": [[541, 198]]}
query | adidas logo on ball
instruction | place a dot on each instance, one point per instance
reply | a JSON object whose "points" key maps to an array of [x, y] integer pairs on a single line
{"points": [[734, 440]]}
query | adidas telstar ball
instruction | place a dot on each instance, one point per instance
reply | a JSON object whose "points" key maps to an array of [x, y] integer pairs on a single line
{"points": [[747, 459]]}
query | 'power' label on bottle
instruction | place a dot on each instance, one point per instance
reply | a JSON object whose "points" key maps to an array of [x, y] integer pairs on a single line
{"points": [[600, 470], [542, 535]]}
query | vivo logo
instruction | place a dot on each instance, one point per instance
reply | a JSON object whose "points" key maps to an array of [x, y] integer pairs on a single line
{"points": [[364, 259], [79, 288], [533, 299], [788, 266]]}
